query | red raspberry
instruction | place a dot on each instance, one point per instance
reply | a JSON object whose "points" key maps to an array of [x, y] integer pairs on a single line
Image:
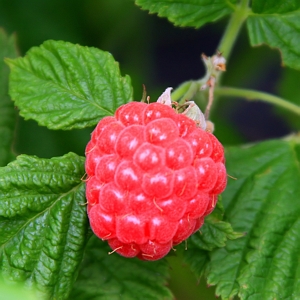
{"points": [[153, 176]]}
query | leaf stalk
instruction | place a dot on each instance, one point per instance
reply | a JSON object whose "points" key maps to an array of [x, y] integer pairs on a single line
{"points": [[256, 95]]}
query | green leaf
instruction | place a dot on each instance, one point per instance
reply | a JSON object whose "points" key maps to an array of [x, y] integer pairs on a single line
{"points": [[196, 258], [43, 222], [275, 6], [264, 202], [65, 86], [281, 31], [189, 12], [13, 292], [213, 234], [113, 277], [7, 112]]}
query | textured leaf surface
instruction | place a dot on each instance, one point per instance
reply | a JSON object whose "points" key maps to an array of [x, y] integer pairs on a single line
{"points": [[43, 223], [113, 277], [65, 86], [193, 13], [275, 6], [264, 202], [215, 232], [7, 112], [279, 27]]}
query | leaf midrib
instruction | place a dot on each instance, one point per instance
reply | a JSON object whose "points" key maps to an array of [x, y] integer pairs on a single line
{"points": [[39, 214], [64, 90]]}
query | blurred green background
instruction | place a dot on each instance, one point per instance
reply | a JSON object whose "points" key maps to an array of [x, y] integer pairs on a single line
{"points": [[155, 53]]}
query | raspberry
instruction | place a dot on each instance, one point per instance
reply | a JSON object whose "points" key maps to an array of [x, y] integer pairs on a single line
{"points": [[153, 175]]}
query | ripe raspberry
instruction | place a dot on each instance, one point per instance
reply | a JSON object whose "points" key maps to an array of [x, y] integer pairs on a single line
{"points": [[153, 176]]}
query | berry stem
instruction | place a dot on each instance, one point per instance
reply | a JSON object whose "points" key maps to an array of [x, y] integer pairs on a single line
{"points": [[186, 90], [232, 31], [233, 28], [189, 88], [256, 95], [181, 90], [212, 82]]}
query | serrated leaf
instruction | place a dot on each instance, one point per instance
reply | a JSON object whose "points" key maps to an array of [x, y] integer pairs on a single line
{"points": [[189, 12], [281, 31], [65, 86], [113, 277], [7, 112], [43, 223], [264, 202], [214, 232]]}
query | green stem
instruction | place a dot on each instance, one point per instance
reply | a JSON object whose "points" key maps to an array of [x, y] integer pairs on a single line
{"points": [[233, 28], [181, 90], [255, 95], [189, 88], [186, 91]]}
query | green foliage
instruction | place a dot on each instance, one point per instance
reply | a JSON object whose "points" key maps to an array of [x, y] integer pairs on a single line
{"points": [[265, 205], [112, 277], [277, 23], [7, 112], [189, 12], [9, 292], [263, 202], [66, 86], [275, 6], [278, 31], [43, 222], [249, 248], [215, 232]]}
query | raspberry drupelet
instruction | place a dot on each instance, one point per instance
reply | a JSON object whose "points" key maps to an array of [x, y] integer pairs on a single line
{"points": [[153, 175]]}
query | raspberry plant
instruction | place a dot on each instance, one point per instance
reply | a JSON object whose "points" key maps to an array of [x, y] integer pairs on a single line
{"points": [[248, 247]]}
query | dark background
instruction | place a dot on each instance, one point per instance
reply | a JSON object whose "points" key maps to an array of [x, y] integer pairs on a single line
{"points": [[155, 53]]}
